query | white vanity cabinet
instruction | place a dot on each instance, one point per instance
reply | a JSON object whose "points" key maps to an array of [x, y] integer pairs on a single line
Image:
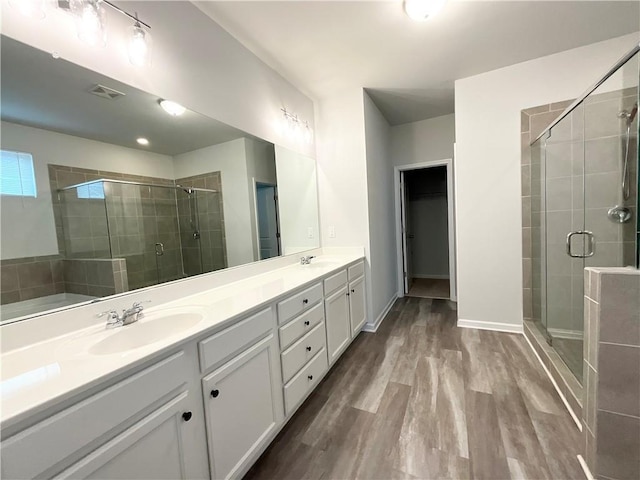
{"points": [[145, 426], [242, 395], [344, 308]]}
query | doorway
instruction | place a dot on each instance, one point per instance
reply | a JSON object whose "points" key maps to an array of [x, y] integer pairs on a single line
{"points": [[268, 222], [425, 230]]}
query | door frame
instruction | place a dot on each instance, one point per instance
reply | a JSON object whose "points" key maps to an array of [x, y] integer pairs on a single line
{"points": [[256, 242], [447, 162]]}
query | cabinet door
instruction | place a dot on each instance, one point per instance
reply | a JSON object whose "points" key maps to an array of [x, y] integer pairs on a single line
{"points": [[356, 305], [241, 407], [336, 311], [153, 448]]}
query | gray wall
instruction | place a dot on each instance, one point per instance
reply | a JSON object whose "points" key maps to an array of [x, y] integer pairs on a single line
{"points": [[428, 217]]}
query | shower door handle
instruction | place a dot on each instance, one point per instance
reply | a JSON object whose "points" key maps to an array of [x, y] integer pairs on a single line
{"points": [[159, 249], [591, 244]]}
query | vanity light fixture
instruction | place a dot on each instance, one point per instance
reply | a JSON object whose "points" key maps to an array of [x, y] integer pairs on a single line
{"points": [[29, 8], [295, 127], [142, 141], [139, 44], [422, 9], [172, 108], [91, 21]]}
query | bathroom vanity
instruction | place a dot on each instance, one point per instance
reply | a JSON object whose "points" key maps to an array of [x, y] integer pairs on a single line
{"points": [[197, 388]]}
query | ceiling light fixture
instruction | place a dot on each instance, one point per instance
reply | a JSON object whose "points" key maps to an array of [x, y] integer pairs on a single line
{"points": [[29, 8], [142, 141], [422, 9], [172, 108]]}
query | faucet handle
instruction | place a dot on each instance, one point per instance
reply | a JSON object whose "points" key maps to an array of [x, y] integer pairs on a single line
{"points": [[114, 319], [139, 303]]}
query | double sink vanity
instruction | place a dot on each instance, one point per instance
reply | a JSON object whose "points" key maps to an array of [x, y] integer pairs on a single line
{"points": [[197, 387]]}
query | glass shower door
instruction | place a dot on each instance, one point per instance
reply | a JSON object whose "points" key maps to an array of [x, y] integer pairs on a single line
{"points": [[567, 240]]}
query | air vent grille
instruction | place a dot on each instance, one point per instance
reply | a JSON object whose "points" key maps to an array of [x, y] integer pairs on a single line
{"points": [[105, 92]]}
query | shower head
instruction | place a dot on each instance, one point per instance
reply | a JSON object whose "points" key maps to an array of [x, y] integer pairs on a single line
{"points": [[629, 115]]}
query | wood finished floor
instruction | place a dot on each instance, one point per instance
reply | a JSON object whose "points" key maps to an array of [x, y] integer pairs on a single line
{"points": [[424, 399], [429, 288]]}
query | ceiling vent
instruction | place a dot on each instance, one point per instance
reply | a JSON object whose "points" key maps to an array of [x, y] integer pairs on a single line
{"points": [[105, 92]]}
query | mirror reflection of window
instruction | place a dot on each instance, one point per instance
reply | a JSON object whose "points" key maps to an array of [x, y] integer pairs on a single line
{"points": [[17, 176]]}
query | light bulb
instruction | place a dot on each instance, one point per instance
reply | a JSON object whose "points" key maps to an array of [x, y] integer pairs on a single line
{"points": [[139, 46], [172, 108], [91, 21], [422, 9], [142, 141], [29, 8], [307, 133]]}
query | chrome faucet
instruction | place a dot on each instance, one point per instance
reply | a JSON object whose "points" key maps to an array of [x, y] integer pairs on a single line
{"points": [[129, 315], [306, 260]]}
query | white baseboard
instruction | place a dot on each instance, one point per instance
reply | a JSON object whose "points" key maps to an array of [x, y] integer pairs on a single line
{"points": [[428, 276], [498, 327], [372, 328], [564, 333]]}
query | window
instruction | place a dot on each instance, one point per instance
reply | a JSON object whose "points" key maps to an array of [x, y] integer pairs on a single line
{"points": [[92, 190], [17, 176]]}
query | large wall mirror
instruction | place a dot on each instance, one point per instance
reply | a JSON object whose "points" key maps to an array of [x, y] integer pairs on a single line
{"points": [[104, 191]]}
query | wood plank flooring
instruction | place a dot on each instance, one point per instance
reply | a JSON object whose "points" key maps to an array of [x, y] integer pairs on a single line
{"points": [[429, 288], [424, 399]]}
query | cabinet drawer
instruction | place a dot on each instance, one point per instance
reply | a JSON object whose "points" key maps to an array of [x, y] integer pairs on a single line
{"points": [[356, 271], [334, 282], [298, 303], [304, 381], [296, 356], [33, 451], [219, 347], [295, 329]]}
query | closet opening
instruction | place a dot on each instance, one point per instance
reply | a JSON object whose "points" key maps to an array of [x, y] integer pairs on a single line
{"points": [[425, 230]]}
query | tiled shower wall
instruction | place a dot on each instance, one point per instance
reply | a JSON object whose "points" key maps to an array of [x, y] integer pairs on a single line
{"points": [[208, 253], [30, 277], [611, 418]]}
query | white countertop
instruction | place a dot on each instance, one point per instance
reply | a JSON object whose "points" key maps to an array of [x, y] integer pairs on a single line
{"points": [[39, 375]]}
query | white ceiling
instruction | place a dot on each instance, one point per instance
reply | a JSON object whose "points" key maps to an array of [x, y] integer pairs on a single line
{"points": [[42, 92], [409, 67]]}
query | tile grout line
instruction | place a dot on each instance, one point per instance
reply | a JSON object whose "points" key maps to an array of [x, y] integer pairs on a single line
{"points": [[555, 385]]}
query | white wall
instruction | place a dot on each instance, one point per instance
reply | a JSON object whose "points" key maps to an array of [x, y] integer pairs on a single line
{"points": [[230, 159], [382, 285], [261, 167], [297, 201], [195, 62], [488, 206], [423, 141], [28, 227]]}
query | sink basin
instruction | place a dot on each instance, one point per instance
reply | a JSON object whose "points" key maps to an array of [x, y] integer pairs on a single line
{"points": [[150, 329]]}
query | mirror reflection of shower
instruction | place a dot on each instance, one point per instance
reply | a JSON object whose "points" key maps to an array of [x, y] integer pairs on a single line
{"points": [[620, 213]]}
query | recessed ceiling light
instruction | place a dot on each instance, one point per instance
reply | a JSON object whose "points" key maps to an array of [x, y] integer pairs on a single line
{"points": [[142, 141], [422, 9], [172, 108]]}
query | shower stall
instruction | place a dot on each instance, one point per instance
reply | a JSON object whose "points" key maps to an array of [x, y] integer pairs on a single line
{"points": [[584, 203], [162, 232]]}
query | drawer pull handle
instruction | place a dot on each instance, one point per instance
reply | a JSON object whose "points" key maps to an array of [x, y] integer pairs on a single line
{"points": [[305, 301], [307, 323], [310, 377], [186, 416], [308, 349], [215, 393]]}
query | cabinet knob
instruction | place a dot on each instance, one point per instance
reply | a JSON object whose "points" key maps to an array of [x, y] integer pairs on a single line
{"points": [[347, 294], [305, 301], [353, 291], [307, 323], [186, 416], [215, 393], [308, 349], [310, 377]]}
